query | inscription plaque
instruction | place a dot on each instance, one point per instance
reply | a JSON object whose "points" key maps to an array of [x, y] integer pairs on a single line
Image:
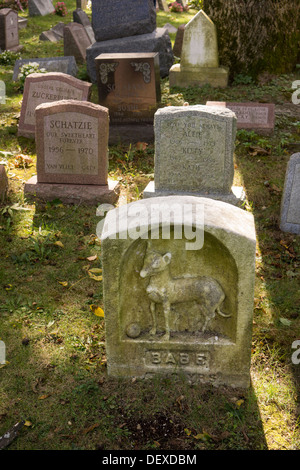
{"points": [[42, 88], [71, 138]]}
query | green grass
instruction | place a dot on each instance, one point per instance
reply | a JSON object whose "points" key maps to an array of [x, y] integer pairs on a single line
{"points": [[55, 376]]}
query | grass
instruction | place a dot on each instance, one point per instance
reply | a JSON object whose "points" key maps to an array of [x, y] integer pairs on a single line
{"points": [[55, 376]]}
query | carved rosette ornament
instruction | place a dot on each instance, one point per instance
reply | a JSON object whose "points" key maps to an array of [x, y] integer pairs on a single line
{"points": [[144, 68], [105, 69]]}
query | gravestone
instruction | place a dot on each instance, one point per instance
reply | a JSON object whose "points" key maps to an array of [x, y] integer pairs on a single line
{"points": [[184, 308], [290, 204], [9, 30], [129, 86], [118, 19], [3, 183], [81, 4], [40, 7], [50, 64], [22, 23], [76, 41], [50, 36], [259, 117], [178, 40], [58, 29], [199, 63], [80, 16], [48, 87], [194, 148], [2, 92], [163, 5], [72, 159], [128, 27]]}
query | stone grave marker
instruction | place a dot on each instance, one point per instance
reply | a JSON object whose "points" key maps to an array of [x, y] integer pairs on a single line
{"points": [[199, 63], [3, 182], [259, 117], [118, 19], [2, 92], [194, 148], [72, 153], [184, 271], [163, 5], [178, 40], [76, 41], [40, 7], [129, 86], [128, 27], [50, 35], [50, 64], [9, 30], [80, 16], [81, 4], [290, 203], [48, 87]]}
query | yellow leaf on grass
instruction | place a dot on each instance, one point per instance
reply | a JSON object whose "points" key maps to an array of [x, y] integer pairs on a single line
{"points": [[95, 270], [97, 310], [27, 423], [42, 397], [63, 283], [92, 258], [92, 276], [58, 243]]}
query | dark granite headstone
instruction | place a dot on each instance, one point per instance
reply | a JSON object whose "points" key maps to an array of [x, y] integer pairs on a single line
{"points": [[9, 30], [120, 18]]}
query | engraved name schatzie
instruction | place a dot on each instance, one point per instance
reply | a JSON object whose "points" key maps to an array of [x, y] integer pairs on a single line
{"points": [[70, 125], [177, 358]]}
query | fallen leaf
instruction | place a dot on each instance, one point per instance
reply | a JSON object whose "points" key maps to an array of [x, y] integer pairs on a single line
{"points": [[63, 283], [58, 243], [285, 321], [141, 145], [92, 258], [91, 428], [97, 310], [42, 397], [96, 278], [27, 423], [95, 270]]}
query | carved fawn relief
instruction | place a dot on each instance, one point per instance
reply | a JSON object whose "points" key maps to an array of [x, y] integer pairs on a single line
{"points": [[166, 290]]}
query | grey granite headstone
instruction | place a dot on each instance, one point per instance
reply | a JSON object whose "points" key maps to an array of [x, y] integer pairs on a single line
{"points": [[181, 310], [40, 7], [51, 64], [80, 16], [290, 205], [59, 29], [157, 41], [76, 41], [50, 36], [119, 18], [194, 148]]}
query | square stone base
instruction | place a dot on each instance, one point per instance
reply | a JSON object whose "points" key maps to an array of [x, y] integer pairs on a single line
{"points": [[236, 197], [216, 77], [86, 194]]}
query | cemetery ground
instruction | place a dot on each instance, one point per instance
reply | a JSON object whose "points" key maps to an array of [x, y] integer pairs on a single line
{"points": [[51, 317]]}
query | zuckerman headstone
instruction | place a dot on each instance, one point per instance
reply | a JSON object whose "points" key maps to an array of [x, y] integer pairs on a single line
{"points": [[194, 148], [72, 153], [290, 204], [181, 311], [48, 87]]}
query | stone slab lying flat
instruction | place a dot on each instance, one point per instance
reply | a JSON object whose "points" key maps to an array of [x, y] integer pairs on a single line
{"points": [[85, 194], [290, 204], [253, 116], [51, 64]]}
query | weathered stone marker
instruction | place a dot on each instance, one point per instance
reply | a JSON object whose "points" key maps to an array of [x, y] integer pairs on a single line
{"points": [[129, 86], [50, 64], [40, 7], [3, 183], [194, 148], [9, 30], [259, 117], [48, 87], [72, 160], [290, 205], [76, 41], [199, 56], [179, 311]]}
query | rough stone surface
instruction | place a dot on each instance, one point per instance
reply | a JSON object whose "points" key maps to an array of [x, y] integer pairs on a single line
{"points": [[80, 16], [290, 204], [42, 88], [179, 311], [9, 30], [158, 41], [71, 142], [50, 36], [194, 150], [177, 48], [40, 7], [83, 194], [117, 19], [199, 62], [76, 41], [259, 117], [129, 86], [81, 4], [51, 64], [163, 5], [3, 183]]}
